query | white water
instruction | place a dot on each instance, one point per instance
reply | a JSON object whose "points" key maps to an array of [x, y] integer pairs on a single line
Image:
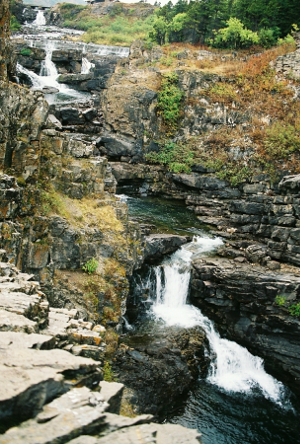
{"points": [[233, 368], [48, 76], [86, 66], [40, 19]]}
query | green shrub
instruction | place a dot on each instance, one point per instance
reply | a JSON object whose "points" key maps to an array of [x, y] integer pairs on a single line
{"points": [[90, 266], [282, 139], [25, 51], [234, 36], [178, 158], [280, 300], [14, 24], [169, 100], [295, 309]]}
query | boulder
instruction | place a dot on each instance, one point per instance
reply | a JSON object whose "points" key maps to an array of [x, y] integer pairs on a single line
{"points": [[158, 245]]}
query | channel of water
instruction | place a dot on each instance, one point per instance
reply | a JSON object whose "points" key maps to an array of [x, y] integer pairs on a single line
{"points": [[238, 402]]}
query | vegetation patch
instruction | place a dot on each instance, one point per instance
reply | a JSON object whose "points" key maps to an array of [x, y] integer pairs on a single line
{"points": [[169, 101], [25, 51], [90, 266], [115, 28], [178, 158]]}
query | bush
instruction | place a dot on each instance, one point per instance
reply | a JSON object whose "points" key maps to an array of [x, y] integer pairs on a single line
{"points": [[295, 309], [90, 266], [169, 100], [25, 51], [14, 24], [282, 139], [235, 36], [177, 158]]}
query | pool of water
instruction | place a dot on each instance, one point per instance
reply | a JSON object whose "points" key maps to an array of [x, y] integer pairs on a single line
{"points": [[167, 216], [227, 418]]}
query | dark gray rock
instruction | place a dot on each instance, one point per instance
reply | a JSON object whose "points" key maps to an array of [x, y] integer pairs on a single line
{"points": [[158, 245]]}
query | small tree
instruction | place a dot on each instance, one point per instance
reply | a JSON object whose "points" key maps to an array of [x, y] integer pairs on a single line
{"points": [[235, 36]]}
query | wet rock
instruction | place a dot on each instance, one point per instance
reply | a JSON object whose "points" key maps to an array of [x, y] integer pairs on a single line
{"points": [[74, 79], [50, 90], [158, 245], [169, 361], [67, 60]]}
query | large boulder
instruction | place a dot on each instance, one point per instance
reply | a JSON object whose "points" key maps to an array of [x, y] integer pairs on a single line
{"points": [[158, 245]]}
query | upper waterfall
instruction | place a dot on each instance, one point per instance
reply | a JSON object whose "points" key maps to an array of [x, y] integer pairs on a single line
{"points": [[40, 19]]}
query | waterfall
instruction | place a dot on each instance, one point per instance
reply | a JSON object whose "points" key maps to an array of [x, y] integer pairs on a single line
{"points": [[40, 19], [86, 66], [48, 68], [232, 368]]}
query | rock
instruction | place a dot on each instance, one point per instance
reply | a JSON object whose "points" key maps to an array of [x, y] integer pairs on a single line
{"points": [[151, 433], [116, 147], [71, 116], [33, 377], [175, 355], [290, 183], [67, 60], [50, 90], [10, 340], [158, 245], [112, 394], [74, 79], [75, 413], [31, 306], [13, 322]]}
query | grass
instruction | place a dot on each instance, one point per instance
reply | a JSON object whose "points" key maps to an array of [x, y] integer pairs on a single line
{"points": [[115, 28]]}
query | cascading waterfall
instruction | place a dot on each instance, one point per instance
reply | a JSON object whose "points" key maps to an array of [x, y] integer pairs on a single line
{"points": [[86, 66], [48, 76], [48, 68], [233, 368], [40, 19]]}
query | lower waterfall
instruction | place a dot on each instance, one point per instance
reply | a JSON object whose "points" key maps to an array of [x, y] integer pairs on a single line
{"points": [[232, 368]]}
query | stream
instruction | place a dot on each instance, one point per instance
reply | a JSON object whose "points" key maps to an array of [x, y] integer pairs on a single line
{"points": [[238, 402], [50, 38]]}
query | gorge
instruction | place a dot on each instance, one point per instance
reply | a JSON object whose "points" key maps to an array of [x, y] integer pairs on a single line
{"points": [[108, 256]]}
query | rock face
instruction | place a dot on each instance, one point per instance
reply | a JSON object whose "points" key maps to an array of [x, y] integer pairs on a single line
{"points": [[5, 51], [67, 61], [243, 300], [29, 57]]}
